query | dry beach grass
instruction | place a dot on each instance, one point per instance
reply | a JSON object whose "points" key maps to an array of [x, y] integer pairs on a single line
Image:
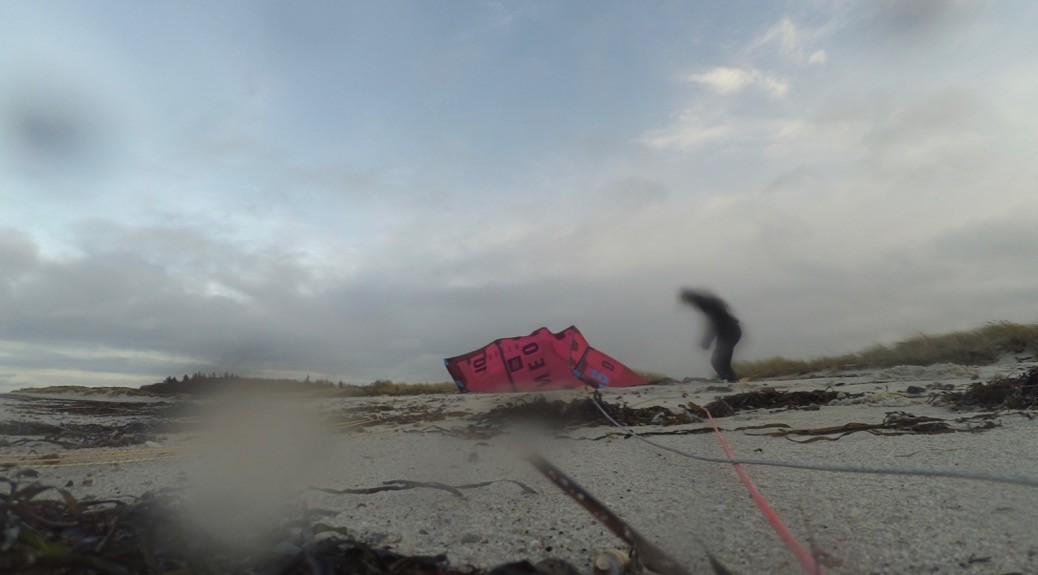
{"points": [[969, 347]]}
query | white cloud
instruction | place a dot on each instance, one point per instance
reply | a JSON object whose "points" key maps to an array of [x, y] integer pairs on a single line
{"points": [[724, 80], [733, 80], [792, 42], [785, 35], [688, 132], [772, 136], [776, 86]]}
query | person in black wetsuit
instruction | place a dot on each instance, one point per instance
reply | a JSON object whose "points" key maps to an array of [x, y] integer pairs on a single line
{"points": [[721, 325]]}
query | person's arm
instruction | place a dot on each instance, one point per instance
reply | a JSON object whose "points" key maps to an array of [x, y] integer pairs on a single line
{"points": [[708, 336]]}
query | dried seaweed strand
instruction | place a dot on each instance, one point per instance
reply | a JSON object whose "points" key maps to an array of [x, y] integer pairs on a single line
{"points": [[652, 556], [404, 484]]}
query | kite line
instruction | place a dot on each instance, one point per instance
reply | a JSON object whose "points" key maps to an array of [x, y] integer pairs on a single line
{"points": [[1015, 479], [806, 559]]}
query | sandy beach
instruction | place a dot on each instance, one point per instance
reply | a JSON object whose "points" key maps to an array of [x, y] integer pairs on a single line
{"points": [[243, 463]]}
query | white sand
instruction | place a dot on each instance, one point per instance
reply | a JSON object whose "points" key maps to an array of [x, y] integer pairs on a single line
{"points": [[856, 524]]}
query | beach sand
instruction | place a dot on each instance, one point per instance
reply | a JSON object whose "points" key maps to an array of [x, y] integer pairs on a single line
{"points": [[244, 462]]}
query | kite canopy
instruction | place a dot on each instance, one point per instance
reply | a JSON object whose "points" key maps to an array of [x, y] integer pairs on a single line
{"points": [[537, 362]]}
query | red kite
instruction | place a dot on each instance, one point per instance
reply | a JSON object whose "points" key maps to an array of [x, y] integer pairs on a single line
{"points": [[540, 361]]}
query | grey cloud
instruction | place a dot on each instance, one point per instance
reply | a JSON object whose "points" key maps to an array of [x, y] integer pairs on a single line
{"points": [[921, 17], [121, 295], [635, 193], [339, 179], [18, 254], [999, 246], [818, 273], [934, 128], [834, 309], [792, 179], [139, 289], [126, 295], [924, 142]]}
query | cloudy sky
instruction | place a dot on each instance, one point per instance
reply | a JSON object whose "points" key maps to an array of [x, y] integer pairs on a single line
{"points": [[356, 190]]}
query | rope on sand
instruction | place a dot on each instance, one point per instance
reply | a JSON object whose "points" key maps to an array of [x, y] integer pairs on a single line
{"points": [[807, 560], [803, 555], [1015, 479]]}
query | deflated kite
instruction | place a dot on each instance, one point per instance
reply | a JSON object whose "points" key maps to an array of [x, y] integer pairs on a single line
{"points": [[538, 362]]}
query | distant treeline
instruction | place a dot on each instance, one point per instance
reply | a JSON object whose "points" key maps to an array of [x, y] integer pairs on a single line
{"points": [[206, 383]]}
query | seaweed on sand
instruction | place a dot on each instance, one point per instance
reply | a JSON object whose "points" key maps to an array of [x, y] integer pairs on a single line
{"points": [[1007, 393], [583, 412], [64, 535], [895, 423], [393, 412], [83, 435], [770, 398], [99, 408]]}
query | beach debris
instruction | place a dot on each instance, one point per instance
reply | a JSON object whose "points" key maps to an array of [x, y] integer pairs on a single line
{"points": [[582, 412], [97, 408], [770, 398], [719, 388], [925, 372], [973, 559], [42, 535], [337, 555], [877, 398], [1019, 392], [611, 562], [147, 420], [558, 415], [895, 423], [611, 434], [390, 414], [82, 435], [23, 428], [545, 567], [403, 484], [651, 556]]}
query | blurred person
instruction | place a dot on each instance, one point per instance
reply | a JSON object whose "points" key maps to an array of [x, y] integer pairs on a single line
{"points": [[721, 325]]}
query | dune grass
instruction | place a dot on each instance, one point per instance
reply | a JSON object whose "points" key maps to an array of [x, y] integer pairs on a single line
{"points": [[971, 347]]}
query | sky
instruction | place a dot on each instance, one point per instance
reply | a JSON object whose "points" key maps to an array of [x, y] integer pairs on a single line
{"points": [[357, 190]]}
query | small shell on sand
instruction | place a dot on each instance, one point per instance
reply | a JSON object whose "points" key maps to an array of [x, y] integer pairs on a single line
{"points": [[611, 562]]}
